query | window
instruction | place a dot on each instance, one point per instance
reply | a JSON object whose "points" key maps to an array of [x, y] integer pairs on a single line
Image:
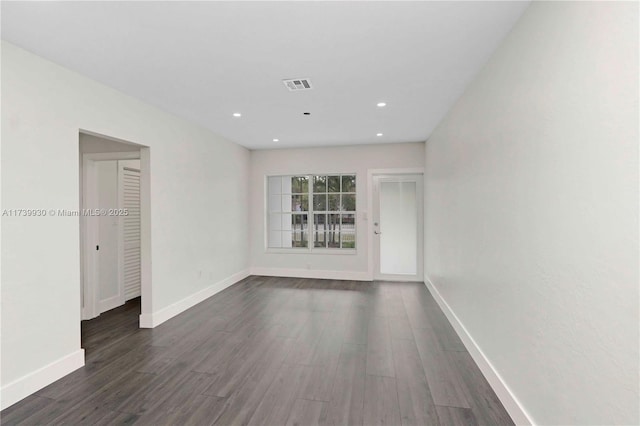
{"points": [[311, 211]]}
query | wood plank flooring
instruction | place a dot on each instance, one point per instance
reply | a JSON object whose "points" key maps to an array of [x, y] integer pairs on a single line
{"points": [[275, 351]]}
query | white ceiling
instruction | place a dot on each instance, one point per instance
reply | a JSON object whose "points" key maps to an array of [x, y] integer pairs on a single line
{"points": [[206, 60]]}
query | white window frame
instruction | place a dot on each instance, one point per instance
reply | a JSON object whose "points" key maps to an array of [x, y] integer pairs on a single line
{"points": [[310, 249]]}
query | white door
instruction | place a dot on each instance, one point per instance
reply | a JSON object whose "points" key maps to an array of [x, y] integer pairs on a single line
{"points": [[129, 190], [110, 293], [397, 227]]}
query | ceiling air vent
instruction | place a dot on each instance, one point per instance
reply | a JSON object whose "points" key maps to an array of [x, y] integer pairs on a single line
{"points": [[296, 84]]}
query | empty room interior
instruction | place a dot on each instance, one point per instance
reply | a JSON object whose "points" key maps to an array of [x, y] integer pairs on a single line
{"points": [[320, 213]]}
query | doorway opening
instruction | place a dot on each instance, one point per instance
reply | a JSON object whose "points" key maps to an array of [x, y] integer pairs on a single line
{"points": [[114, 236], [397, 228]]}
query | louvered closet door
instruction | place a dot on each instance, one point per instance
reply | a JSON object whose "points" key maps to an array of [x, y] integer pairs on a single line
{"points": [[131, 230]]}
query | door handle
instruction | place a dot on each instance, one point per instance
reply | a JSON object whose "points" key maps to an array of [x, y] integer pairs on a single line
{"points": [[377, 233]]}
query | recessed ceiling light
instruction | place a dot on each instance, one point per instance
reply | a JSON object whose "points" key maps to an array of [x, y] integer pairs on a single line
{"points": [[381, 104], [378, 134], [237, 114], [276, 140]]}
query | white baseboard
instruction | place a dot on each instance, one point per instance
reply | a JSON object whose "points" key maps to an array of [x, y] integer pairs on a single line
{"points": [[36, 380], [156, 318], [312, 273], [508, 399], [108, 304]]}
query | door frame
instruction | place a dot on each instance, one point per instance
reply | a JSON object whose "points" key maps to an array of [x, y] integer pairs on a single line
{"points": [[371, 173], [89, 225]]}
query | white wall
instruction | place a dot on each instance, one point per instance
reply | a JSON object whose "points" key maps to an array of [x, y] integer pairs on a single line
{"points": [[198, 180], [355, 159], [532, 212]]}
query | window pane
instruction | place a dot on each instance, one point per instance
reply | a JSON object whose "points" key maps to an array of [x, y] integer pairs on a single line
{"points": [[300, 184], [274, 203], [319, 184], [333, 230], [333, 184], [333, 219], [299, 239], [349, 202], [299, 203], [286, 222], [286, 184], [333, 235], [319, 220], [319, 230], [348, 239], [275, 222], [286, 203], [299, 222], [349, 183], [275, 239], [320, 202], [299, 233], [334, 202], [275, 185], [348, 222]]}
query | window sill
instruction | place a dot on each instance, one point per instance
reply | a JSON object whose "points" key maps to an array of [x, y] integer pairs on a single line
{"points": [[347, 252]]}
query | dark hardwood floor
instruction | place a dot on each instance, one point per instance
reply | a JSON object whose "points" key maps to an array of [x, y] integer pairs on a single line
{"points": [[275, 351]]}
